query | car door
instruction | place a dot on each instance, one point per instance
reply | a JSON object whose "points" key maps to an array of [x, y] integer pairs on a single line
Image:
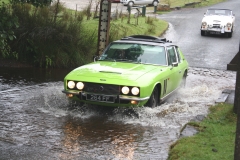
{"points": [[174, 68], [181, 65]]}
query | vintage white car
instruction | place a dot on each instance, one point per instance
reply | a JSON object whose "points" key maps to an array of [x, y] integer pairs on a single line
{"points": [[218, 21], [139, 2]]}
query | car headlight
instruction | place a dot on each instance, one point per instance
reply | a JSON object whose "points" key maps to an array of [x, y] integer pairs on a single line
{"points": [[80, 85], [125, 90], [229, 24], [204, 23], [71, 84], [135, 91]]}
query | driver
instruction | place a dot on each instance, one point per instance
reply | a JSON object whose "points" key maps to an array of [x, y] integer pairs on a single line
{"points": [[121, 54]]}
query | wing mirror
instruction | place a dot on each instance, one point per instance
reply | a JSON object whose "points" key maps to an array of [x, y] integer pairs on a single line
{"points": [[95, 58], [175, 64]]}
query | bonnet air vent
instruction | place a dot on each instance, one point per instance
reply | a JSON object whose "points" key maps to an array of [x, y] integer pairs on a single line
{"points": [[110, 72]]}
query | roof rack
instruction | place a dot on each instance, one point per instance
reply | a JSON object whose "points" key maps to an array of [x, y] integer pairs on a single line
{"points": [[146, 38]]}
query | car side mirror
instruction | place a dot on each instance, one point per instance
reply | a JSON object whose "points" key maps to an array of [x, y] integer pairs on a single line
{"points": [[95, 58], [175, 64]]}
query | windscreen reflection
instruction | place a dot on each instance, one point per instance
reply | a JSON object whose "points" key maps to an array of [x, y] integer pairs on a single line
{"points": [[137, 53]]}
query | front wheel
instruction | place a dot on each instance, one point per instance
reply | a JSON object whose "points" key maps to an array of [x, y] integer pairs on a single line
{"points": [[155, 3], [184, 80], [153, 100], [229, 35], [130, 4]]}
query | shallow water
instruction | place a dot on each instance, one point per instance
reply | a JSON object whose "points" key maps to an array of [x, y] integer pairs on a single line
{"points": [[38, 122]]}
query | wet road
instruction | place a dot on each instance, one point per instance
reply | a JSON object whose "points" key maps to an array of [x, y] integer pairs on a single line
{"points": [[203, 51], [38, 122]]}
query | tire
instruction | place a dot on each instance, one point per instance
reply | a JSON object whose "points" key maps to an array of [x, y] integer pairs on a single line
{"points": [[230, 34], [154, 99], [184, 80], [130, 4], [155, 3], [202, 33]]}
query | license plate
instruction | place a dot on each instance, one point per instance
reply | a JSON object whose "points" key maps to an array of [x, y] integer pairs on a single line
{"points": [[100, 98], [215, 32]]}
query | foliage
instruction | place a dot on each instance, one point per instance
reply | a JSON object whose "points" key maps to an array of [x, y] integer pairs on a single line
{"points": [[8, 23], [215, 139], [47, 41], [53, 36], [37, 3]]}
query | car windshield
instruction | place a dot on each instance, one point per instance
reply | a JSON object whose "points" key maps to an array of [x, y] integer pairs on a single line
{"points": [[136, 53], [218, 12]]}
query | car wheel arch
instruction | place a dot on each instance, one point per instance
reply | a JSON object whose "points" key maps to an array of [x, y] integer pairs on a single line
{"points": [[155, 2], [156, 87], [130, 3], [183, 83]]}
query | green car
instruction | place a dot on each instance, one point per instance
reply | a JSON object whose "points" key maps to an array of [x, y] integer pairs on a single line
{"points": [[134, 71]]}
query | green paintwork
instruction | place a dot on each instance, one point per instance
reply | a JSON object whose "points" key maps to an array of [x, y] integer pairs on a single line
{"points": [[144, 76]]}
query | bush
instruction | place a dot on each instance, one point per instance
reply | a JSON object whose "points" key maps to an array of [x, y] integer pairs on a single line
{"points": [[7, 24], [51, 37]]}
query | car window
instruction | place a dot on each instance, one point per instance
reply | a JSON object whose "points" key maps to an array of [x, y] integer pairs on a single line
{"points": [[171, 55], [218, 12], [132, 52], [178, 55]]}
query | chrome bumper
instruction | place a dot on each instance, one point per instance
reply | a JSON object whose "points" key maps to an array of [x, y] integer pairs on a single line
{"points": [[122, 97]]}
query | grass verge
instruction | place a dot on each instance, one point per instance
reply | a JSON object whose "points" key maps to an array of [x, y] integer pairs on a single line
{"points": [[182, 3], [215, 139]]}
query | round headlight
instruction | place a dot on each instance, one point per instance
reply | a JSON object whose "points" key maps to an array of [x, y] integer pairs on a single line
{"points": [[80, 85], [71, 84], [135, 91], [125, 90], [204, 23], [229, 24]]}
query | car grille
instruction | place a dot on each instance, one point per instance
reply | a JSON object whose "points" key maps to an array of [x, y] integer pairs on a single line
{"points": [[98, 88], [216, 26]]}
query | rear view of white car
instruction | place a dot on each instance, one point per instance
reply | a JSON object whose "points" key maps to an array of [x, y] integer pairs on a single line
{"points": [[139, 2], [218, 21]]}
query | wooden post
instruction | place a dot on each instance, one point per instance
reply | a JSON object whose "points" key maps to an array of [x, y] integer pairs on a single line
{"points": [[104, 25], [237, 109]]}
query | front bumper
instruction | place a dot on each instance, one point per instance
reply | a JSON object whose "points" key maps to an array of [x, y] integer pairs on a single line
{"points": [[117, 99], [219, 30]]}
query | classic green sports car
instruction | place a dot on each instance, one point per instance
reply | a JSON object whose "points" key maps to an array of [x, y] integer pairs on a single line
{"points": [[134, 71]]}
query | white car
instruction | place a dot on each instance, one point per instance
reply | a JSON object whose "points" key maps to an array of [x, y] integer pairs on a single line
{"points": [[218, 21], [139, 2]]}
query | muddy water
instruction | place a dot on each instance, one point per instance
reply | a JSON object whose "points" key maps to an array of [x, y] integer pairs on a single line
{"points": [[38, 122]]}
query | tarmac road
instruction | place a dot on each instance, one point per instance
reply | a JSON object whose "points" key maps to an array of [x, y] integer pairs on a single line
{"points": [[202, 51]]}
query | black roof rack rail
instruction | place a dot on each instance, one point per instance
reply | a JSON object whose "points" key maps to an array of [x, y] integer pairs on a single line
{"points": [[146, 38]]}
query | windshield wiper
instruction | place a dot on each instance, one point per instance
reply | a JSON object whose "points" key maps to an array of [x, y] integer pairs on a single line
{"points": [[108, 59], [124, 60]]}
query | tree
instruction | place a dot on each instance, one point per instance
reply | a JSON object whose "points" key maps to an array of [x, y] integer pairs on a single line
{"points": [[7, 23], [36, 3]]}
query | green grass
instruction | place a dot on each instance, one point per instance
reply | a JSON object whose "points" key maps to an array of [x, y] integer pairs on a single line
{"points": [[181, 3], [215, 140], [5, 1], [120, 26], [142, 25]]}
